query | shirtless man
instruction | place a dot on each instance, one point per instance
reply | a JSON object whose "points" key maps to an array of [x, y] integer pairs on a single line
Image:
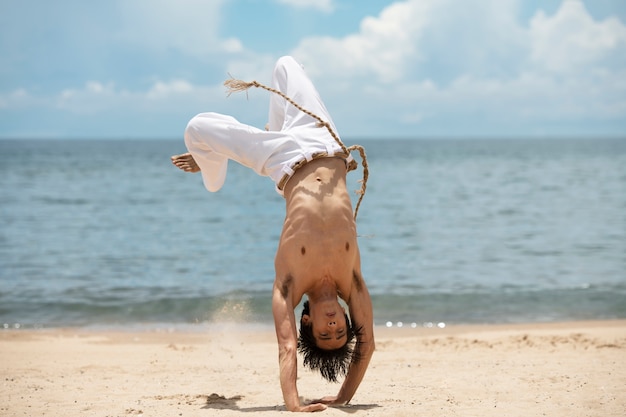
{"points": [[318, 253]]}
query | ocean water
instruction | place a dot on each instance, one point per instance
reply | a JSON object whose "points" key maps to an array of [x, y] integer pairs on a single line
{"points": [[109, 233]]}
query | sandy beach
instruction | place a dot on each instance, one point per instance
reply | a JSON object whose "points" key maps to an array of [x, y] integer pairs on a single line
{"points": [[556, 369]]}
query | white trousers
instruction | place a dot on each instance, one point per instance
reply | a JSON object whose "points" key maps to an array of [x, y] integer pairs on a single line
{"points": [[293, 136]]}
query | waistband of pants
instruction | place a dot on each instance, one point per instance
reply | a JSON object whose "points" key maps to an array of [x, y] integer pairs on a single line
{"points": [[289, 171]]}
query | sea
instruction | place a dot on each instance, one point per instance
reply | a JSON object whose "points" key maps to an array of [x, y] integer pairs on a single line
{"points": [[109, 234]]}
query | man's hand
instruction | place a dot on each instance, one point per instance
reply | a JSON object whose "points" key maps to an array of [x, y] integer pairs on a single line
{"points": [[310, 408], [329, 400]]}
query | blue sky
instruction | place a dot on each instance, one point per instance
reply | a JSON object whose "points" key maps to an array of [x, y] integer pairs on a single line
{"points": [[386, 69]]}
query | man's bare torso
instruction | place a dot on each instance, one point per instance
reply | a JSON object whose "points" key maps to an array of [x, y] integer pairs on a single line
{"points": [[318, 242]]}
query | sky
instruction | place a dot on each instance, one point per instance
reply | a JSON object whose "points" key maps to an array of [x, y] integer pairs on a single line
{"points": [[385, 69]]}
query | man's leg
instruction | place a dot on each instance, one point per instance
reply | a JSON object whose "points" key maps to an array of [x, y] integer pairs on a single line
{"points": [[290, 78], [213, 139]]}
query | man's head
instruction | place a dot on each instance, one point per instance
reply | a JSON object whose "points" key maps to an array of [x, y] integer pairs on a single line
{"points": [[327, 340]]}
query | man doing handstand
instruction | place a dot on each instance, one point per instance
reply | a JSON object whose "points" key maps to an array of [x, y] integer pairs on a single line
{"points": [[318, 253]]}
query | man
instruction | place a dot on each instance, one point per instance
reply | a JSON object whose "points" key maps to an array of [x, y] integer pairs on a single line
{"points": [[318, 253]]}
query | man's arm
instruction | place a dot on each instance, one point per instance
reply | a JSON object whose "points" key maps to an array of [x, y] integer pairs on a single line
{"points": [[285, 323], [360, 305], [361, 312]]}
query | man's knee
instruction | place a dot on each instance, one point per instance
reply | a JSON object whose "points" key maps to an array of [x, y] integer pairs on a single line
{"points": [[205, 122], [285, 60], [196, 127], [286, 63]]}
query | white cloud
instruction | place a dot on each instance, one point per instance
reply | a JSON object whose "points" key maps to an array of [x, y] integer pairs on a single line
{"points": [[323, 5], [433, 60], [418, 67], [93, 97], [163, 90], [572, 38], [15, 99], [410, 38], [231, 45], [381, 48], [161, 97], [190, 26]]}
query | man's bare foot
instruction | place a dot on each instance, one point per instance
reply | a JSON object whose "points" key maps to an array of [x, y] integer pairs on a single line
{"points": [[185, 162]]}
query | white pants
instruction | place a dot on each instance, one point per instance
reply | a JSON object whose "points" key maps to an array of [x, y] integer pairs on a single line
{"points": [[293, 136]]}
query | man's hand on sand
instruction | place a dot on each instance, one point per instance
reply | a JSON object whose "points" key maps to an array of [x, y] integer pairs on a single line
{"points": [[330, 400], [310, 408], [185, 162]]}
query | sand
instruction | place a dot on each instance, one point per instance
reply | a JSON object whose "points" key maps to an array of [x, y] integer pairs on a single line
{"points": [[557, 369]]}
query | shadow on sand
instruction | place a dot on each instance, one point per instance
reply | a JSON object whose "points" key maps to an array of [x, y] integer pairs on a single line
{"points": [[219, 402]]}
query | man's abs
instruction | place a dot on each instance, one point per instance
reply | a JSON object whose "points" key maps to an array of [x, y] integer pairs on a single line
{"points": [[317, 200], [319, 233]]}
